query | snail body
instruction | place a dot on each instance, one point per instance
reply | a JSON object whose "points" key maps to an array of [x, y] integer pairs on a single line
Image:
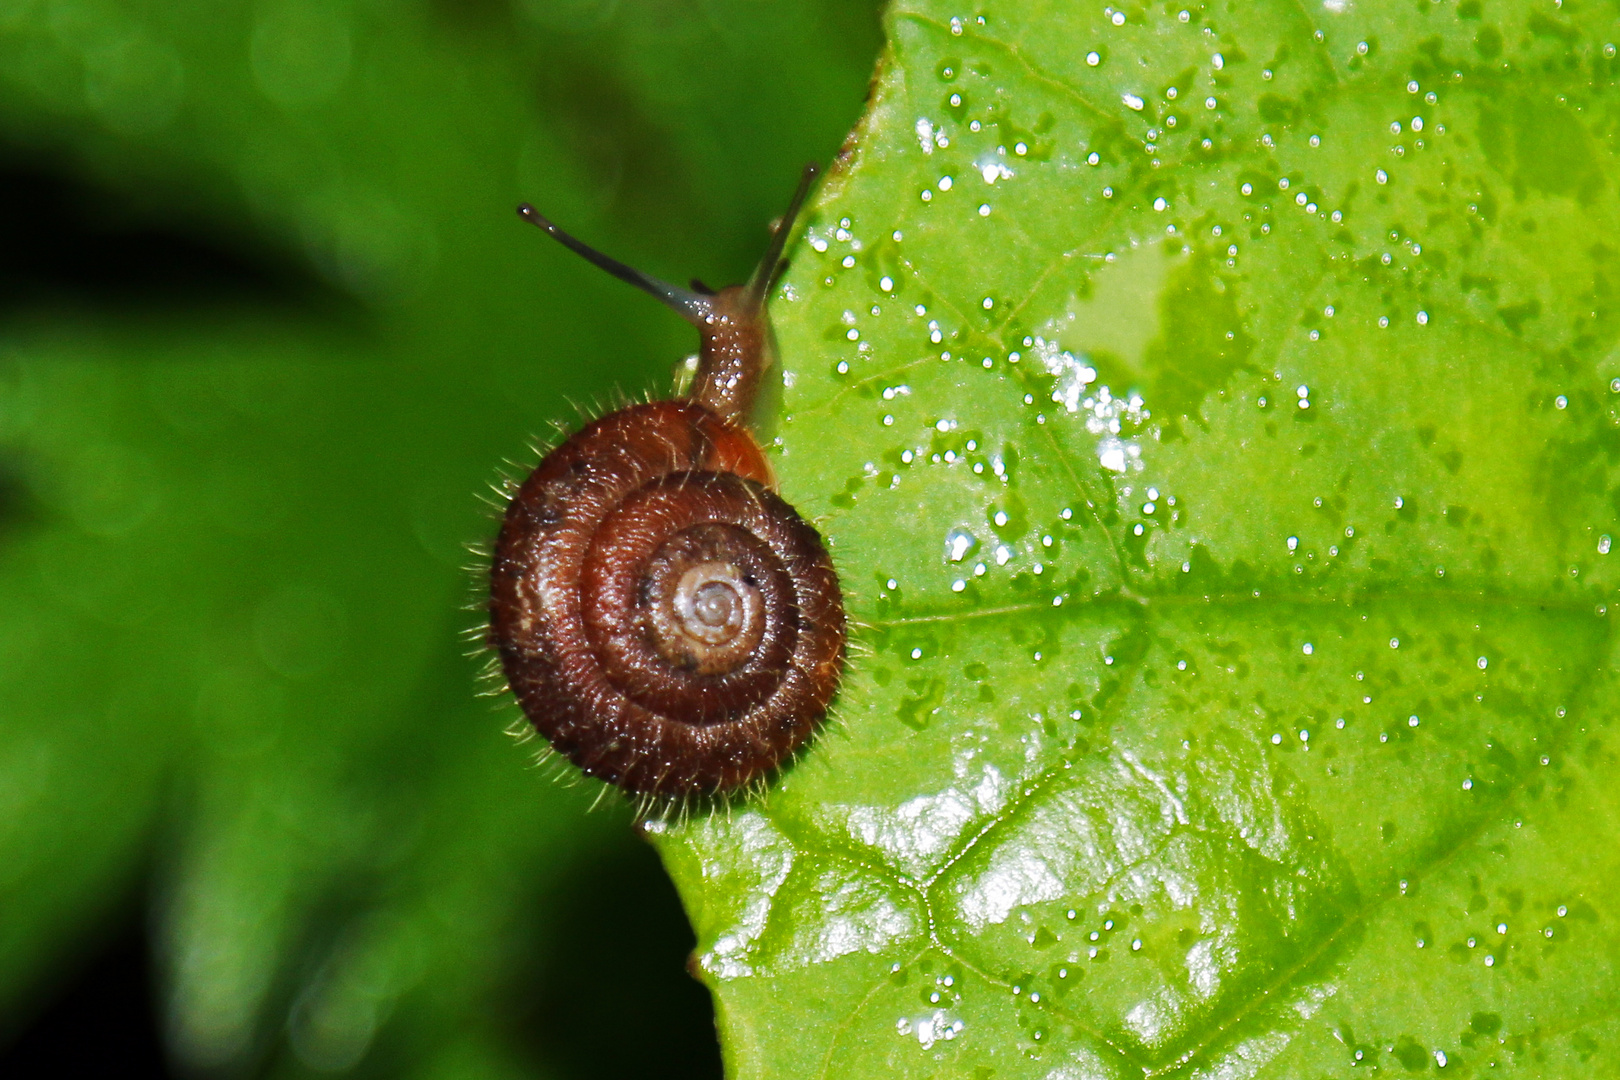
{"points": [[663, 617]]}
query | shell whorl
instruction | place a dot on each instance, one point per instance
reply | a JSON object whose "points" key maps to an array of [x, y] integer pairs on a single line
{"points": [[665, 619]]}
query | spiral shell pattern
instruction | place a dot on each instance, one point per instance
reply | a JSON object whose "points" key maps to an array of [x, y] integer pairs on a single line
{"points": [[665, 620]]}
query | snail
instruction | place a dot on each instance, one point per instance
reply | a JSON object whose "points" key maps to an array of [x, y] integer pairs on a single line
{"points": [[663, 617]]}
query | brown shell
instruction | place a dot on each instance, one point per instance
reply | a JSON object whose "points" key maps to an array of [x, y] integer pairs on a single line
{"points": [[613, 523]]}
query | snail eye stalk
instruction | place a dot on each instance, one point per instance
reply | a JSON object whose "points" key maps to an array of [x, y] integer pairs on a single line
{"points": [[694, 307]]}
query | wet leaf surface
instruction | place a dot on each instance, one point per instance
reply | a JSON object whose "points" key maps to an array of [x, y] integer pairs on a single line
{"points": [[1226, 404]]}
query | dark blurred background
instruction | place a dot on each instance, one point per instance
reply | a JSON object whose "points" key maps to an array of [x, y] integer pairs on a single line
{"points": [[268, 326]]}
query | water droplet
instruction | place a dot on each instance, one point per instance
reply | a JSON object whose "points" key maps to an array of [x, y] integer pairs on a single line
{"points": [[1381, 176], [1092, 59]]}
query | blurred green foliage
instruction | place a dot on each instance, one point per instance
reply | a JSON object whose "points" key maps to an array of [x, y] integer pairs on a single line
{"points": [[270, 326]]}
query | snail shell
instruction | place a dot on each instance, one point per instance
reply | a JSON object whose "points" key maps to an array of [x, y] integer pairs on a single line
{"points": [[663, 617]]}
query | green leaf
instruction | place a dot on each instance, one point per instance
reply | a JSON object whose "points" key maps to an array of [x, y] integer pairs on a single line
{"points": [[1214, 415]]}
